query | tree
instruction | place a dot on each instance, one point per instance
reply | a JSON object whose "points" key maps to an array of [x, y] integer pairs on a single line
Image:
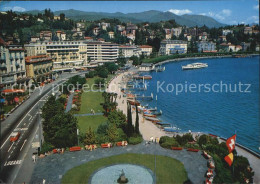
{"points": [[129, 127], [99, 82], [118, 118], [137, 121], [62, 17], [112, 132], [135, 60], [90, 137]]}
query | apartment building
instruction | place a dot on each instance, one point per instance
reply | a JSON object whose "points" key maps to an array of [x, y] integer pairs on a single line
{"points": [[128, 51], [146, 49], [12, 65], [63, 53], [100, 52], [39, 67], [204, 46], [168, 47]]}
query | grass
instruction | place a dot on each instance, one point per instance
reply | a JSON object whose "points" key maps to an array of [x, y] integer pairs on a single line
{"points": [[84, 122], [168, 170], [91, 100], [7, 108]]}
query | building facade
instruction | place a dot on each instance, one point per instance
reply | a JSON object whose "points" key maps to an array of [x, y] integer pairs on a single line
{"points": [[39, 67], [12, 65], [168, 47], [63, 53], [128, 51], [101, 52], [146, 49], [207, 47]]}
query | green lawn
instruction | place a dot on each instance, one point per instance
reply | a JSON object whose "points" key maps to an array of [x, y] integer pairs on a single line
{"points": [[7, 108], [84, 122], [168, 170], [90, 99]]}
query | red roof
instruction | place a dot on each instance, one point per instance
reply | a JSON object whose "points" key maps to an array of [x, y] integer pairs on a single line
{"points": [[35, 59], [145, 46], [2, 42], [88, 38], [13, 91]]}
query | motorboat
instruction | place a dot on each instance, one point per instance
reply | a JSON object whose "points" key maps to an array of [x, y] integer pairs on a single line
{"points": [[194, 66]]}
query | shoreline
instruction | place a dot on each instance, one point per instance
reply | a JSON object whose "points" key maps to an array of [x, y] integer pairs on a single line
{"points": [[197, 58], [150, 130]]}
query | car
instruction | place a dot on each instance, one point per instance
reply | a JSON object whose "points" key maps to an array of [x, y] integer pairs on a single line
{"points": [[15, 136]]}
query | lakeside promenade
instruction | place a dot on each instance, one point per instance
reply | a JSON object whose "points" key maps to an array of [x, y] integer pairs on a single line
{"points": [[148, 129]]}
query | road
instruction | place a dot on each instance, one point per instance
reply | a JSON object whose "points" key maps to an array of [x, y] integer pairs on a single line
{"points": [[26, 120]]}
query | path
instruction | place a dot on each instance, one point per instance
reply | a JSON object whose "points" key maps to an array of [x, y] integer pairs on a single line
{"points": [[69, 103], [53, 167], [91, 114]]}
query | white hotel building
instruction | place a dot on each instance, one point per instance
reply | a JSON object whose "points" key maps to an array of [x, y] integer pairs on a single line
{"points": [[74, 53]]}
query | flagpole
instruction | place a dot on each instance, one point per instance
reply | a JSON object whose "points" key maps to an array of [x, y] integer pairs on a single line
{"points": [[234, 156]]}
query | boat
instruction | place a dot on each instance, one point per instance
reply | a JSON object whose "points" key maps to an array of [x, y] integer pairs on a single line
{"points": [[133, 102], [154, 120], [170, 129], [163, 123], [160, 69], [150, 115], [144, 77], [194, 66], [158, 113]]}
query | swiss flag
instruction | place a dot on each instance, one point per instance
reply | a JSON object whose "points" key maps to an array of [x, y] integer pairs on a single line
{"points": [[231, 143], [229, 158]]}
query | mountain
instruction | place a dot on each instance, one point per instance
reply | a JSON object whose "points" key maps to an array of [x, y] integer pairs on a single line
{"points": [[146, 16]]}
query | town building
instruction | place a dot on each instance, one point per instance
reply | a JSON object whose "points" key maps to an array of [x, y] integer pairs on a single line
{"points": [[131, 28], [39, 67], [80, 26], [146, 49], [225, 32], [245, 46], [222, 38], [104, 25], [168, 47], [12, 65], [248, 30], [101, 52], [63, 53], [111, 34], [146, 67], [128, 51], [35, 39], [205, 46], [61, 35], [46, 35], [96, 31], [176, 31], [203, 36], [228, 47], [120, 28]]}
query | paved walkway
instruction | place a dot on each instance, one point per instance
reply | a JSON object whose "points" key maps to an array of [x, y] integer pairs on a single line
{"points": [[53, 167], [96, 114], [69, 103]]}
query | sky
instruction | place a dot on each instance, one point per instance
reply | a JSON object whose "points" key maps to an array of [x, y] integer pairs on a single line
{"points": [[224, 11]]}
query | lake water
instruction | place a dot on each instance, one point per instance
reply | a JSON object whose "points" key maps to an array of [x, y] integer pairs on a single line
{"points": [[220, 113]]}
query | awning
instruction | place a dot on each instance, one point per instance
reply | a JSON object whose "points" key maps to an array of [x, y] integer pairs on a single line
{"points": [[13, 91]]}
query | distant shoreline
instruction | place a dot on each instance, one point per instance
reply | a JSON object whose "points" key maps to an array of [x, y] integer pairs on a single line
{"points": [[196, 58]]}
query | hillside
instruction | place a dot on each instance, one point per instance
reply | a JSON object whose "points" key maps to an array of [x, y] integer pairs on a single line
{"points": [[146, 16]]}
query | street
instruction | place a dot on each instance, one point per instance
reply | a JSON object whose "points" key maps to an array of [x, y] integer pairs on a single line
{"points": [[26, 120]]}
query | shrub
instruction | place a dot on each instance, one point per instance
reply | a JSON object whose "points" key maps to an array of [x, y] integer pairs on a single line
{"points": [[46, 147], [121, 135], [168, 142], [135, 140]]}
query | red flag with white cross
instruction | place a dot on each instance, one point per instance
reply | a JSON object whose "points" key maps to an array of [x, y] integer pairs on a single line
{"points": [[231, 143]]}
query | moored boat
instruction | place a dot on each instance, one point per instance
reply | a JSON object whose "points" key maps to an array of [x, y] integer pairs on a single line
{"points": [[194, 66]]}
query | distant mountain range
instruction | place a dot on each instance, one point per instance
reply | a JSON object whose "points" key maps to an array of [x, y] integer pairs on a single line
{"points": [[146, 16]]}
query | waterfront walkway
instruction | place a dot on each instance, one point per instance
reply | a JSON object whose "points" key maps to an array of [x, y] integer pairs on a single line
{"points": [[91, 114], [53, 167]]}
